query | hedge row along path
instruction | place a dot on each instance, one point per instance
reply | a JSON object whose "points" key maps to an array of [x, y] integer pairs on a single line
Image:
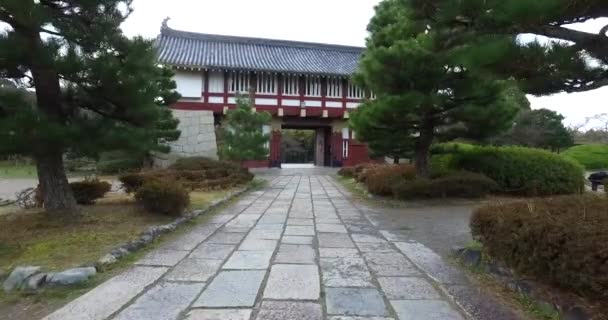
{"points": [[298, 249]]}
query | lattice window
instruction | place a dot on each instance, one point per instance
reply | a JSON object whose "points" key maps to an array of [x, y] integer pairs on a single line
{"points": [[313, 86], [290, 85], [334, 87], [239, 82], [355, 92], [267, 83]]}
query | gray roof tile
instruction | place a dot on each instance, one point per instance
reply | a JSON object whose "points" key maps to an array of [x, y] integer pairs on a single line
{"points": [[197, 50]]}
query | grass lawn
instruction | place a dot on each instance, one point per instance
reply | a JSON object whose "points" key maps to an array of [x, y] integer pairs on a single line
{"points": [[591, 156], [34, 238], [8, 170]]}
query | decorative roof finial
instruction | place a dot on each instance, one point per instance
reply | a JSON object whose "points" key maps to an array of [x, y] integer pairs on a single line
{"points": [[165, 23]]}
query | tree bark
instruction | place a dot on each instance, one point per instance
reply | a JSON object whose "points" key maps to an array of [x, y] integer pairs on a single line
{"points": [[56, 191], [422, 149]]}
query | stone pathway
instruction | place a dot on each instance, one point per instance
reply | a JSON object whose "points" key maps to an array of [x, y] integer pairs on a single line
{"points": [[299, 249]]}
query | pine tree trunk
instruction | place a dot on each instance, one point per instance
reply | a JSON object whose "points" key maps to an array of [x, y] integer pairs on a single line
{"points": [[395, 160], [422, 149], [56, 191]]}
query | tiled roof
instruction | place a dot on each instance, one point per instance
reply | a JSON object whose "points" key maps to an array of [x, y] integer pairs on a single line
{"points": [[197, 50]]}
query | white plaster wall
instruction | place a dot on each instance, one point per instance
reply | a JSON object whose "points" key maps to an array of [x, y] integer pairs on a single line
{"points": [[197, 139], [189, 84], [216, 82]]}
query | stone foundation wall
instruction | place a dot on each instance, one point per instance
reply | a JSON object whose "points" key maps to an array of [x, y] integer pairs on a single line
{"points": [[197, 139]]}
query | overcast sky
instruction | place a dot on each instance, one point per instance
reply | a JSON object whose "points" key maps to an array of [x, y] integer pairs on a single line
{"points": [[327, 21]]}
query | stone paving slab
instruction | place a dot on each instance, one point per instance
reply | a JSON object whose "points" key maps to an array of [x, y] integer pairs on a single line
{"points": [[279, 310], [432, 264], [299, 231], [302, 254], [408, 288], [212, 251], [226, 238], [163, 301], [390, 264], [166, 258], [331, 228], [339, 253], [425, 310], [293, 282], [200, 270], [223, 314], [345, 272], [355, 302], [232, 289], [249, 260], [297, 240], [335, 240], [110, 296]]}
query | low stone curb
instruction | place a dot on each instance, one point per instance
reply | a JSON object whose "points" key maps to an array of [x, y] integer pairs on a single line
{"points": [[154, 232], [503, 274], [30, 278]]}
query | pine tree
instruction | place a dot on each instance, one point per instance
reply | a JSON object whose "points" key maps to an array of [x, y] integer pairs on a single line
{"points": [[426, 91], [81, 87], [242, 136], [572, 61]]}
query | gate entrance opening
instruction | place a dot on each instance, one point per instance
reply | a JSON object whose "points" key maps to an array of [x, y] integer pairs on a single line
{"points": [[306, 146]]}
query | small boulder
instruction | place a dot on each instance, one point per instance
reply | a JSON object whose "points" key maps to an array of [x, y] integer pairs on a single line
{"points": [[107, 260], [18, 277], [34, 282], [71, 276], [471, 257]]}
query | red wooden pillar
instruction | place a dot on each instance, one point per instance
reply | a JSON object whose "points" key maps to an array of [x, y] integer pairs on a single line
{"points": [[275, 149], [336, 141]]}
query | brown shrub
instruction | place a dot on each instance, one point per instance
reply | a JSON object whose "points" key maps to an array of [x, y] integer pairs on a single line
{"points": [[163, 197], [132, 182], [347, 172], [380, 179], [456, 184], [87, 191], [561, 240]]}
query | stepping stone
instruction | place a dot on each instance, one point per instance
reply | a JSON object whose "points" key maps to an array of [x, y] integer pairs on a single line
{"points": [[115, 293], [221, 314], [331, 228], [226, 238], [212, 251], [335, 240], [161, 257], [253, 244], [297, 240], [408, 288], [289, 253], [164, 301], [355, 302], [293, 282], [194, 270], [339, 253], [299, 231], [279, 310], [249, 260], [232, 289], [390, 264], [345, 272], [425, 310]]}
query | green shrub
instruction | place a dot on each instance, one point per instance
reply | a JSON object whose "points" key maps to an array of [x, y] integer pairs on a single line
{"points": [[455, 184], [524, 171], [415, 189], [201, 163], [347, 172], [441, 165], [380, 179], [87, 191], [561, 240], [463, 185], [591, 156], [132, 182], [163, 197]]}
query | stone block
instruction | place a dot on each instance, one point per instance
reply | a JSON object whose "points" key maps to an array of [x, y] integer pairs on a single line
{"points": [[302, 254], [293, 282], [408, 288], [195, 270], [335, 240], [219, 314], [425, 310], [249, 260], [355, 302], [283, 310], [345, 272], [231, 289], [212, 251], [161, 257]]}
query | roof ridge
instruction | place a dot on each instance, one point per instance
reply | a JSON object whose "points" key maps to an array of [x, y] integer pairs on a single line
{"points": [[167, 31]]}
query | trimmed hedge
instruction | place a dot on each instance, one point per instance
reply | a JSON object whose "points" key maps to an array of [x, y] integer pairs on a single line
{"points": [[455, 184], [524, 171], [380, 179], [163, 197], [591, 156], [87, 191], [561, 240], [192, 173]]}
